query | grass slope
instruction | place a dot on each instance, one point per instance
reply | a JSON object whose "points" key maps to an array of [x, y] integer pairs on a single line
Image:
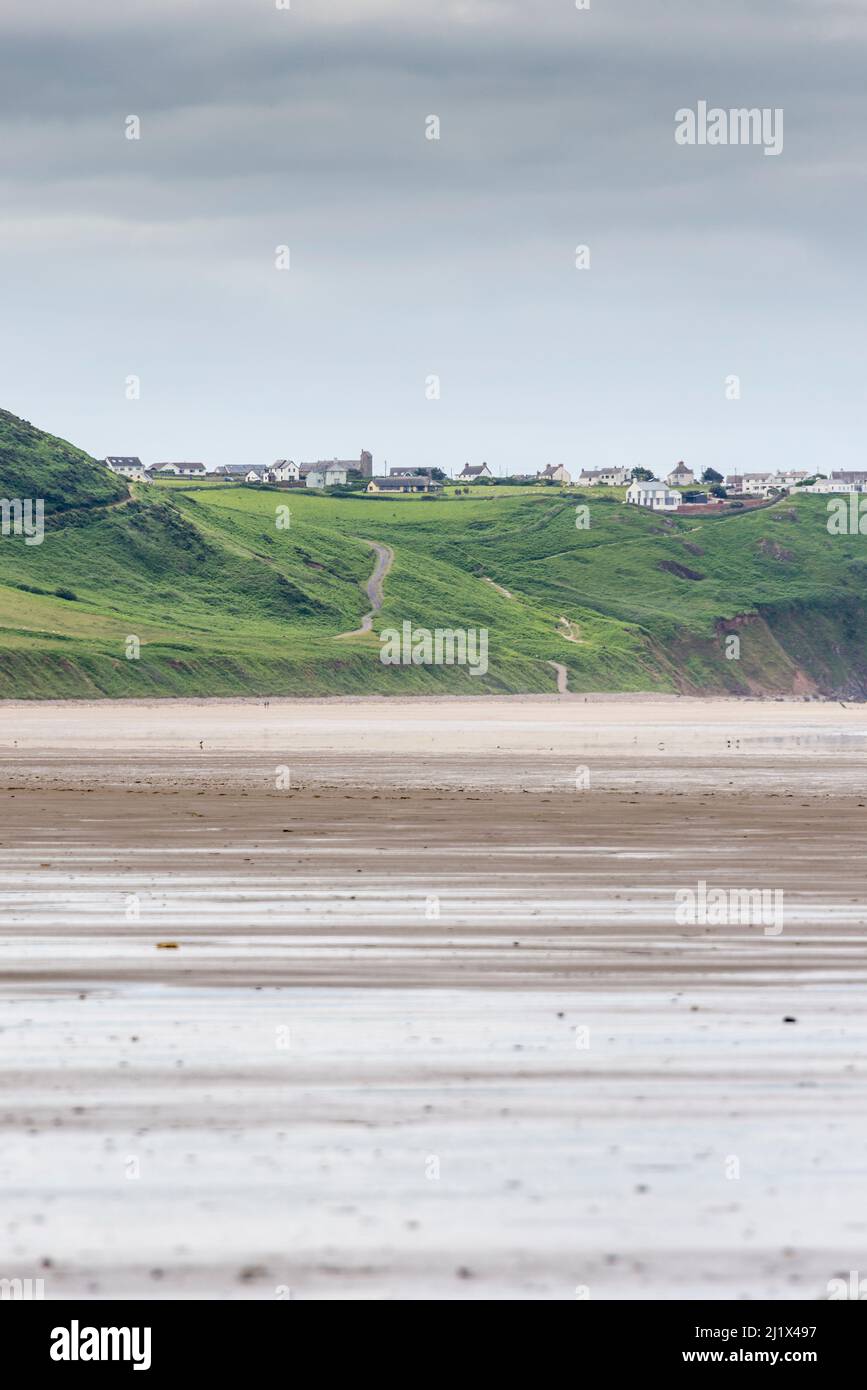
{"points": [[34, 464], [224, 601]]}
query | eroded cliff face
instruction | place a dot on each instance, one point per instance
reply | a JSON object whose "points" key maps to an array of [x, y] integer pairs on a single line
{"points": [[808, 649]]}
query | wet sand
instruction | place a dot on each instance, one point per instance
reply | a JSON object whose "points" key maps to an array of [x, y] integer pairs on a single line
{"points": [[389, 999]]}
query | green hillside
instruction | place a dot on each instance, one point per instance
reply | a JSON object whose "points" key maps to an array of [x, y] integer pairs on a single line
{"points": [[223, 601], [35, 464]]}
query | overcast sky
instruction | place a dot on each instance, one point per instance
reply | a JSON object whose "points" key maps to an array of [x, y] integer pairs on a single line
{"points": [[305, 127]]}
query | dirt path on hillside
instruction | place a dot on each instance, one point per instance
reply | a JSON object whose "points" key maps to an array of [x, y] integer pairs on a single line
{"points": [[499, 588], [562, 678], [384, 561]]}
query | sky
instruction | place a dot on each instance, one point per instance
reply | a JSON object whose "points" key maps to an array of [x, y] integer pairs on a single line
{"points": [[413, 259]]}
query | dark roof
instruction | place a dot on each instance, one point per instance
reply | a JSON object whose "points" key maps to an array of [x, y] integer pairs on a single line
{"points": [[469, 470], [324, 466], [124, 460], [333, 463], [406, 480]]}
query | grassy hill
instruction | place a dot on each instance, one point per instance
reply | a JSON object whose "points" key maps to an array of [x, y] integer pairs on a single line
{"points": [[35, 464], [224, 602]]}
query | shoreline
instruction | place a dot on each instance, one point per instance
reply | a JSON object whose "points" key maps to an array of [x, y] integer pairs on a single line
{"points": [[543, 697], [461, 729]]}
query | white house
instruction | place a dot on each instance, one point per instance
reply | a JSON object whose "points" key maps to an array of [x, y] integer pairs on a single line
{"points": [[328, 475], [680, 476], [283, 471], [180, 470], [128, 466], [652, 493], [830, 485], [859, 479], [604, 477], [554, 473], [363, 465], [251, 473], [474, 473], [777, 483], [755, 484], [767, 484]]}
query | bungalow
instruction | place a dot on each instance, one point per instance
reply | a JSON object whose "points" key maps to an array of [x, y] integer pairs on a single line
{"points": [[554, 473], [859, 479], [680, 476], [604, 477], [831, 484], [652, 493], [235, 470], [128, 465], [474, 473], [245, 472], [179, 470], [406, 482], [363, 466]]}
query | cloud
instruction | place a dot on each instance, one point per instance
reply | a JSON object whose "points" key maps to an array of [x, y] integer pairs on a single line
{"points": [[262, 126]]}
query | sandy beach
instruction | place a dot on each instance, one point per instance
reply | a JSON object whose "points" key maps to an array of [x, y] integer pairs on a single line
{"points": [[390, 999]]}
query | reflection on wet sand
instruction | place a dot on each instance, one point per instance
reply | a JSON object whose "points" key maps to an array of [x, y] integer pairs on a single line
{"points": [[430, 1026]]}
